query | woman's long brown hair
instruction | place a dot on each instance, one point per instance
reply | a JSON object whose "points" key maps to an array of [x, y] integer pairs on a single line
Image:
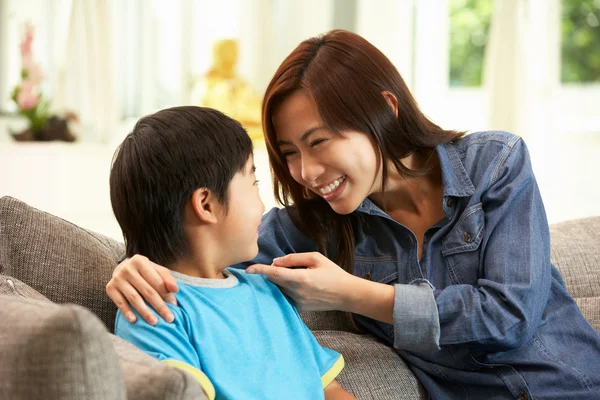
{"points": [[346, 76]]}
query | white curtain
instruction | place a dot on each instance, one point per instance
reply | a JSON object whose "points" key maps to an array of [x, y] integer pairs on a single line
{"points": [[271, 29], [85, 76], [520, 70]]}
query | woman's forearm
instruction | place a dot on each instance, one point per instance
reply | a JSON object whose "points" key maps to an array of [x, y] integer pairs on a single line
{"points": [[371, 299]]}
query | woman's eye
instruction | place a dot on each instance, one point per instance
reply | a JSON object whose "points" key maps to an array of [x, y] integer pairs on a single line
{"points": [[287, 154], [317, 142], [256, 182]]}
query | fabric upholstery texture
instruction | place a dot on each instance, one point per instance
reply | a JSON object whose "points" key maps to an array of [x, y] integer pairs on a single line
{"points": [[13, 287], [328, 320], [49, 351], [373, 370], [64, 262], [575, 251]]}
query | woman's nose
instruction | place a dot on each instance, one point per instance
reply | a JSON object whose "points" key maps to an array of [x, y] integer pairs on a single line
{"points": [[311, 168]]}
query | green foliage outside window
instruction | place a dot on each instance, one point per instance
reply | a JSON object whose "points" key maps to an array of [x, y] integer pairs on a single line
{"points": [[580, 47], [580, 41], [469, 30]]}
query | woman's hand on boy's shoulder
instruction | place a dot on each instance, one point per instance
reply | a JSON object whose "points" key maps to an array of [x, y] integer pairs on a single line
{"points": [[138, 280], [321, 285]]}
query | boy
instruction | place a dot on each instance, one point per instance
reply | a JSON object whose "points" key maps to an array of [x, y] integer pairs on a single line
{"points": [[184, 192]]}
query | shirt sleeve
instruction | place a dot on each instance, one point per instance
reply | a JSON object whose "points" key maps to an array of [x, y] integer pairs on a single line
{"points": [[503, 310], [329, 362], [168, 342]]}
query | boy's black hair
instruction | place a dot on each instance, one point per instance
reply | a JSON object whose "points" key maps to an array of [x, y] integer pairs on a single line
{"points": [[159, 165]]}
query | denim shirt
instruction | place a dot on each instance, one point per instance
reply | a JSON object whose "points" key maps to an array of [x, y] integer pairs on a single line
{"points": [[483, 313]]}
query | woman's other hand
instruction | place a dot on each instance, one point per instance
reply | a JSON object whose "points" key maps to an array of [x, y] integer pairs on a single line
{"points": [[137, 279], [321, 286]]}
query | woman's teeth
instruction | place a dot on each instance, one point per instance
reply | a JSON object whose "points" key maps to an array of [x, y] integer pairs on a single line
{"points": [[332, 186]]}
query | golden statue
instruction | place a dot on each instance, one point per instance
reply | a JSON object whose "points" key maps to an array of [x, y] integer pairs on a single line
{"points": [[223, 90]]}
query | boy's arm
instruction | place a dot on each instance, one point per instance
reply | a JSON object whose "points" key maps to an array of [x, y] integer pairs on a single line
{"points": [[334, 391], [168, 342]]}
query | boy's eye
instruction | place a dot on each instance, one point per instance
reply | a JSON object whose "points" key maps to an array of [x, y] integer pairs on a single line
{"points": [[317, 142], [256, 182]]}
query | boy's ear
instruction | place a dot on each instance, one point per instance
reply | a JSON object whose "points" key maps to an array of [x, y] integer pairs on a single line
{"points": [[205, 205]]}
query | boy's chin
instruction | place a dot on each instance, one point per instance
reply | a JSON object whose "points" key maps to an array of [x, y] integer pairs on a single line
{"points": [[249, 256], [253, 253]]}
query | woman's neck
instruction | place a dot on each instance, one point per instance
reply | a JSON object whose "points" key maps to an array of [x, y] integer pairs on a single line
{"points": [[408, 193]]}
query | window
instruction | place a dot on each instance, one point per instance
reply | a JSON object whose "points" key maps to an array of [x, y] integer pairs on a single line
{"points": [[580, 41], [469, 29]]}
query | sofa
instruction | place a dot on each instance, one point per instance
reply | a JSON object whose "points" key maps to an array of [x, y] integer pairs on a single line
{"points": [[56, 319]]}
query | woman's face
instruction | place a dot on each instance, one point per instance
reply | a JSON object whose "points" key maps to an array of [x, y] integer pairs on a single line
{"points": [[341, 169]]}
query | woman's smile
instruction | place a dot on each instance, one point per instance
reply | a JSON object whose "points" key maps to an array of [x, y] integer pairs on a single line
{"points": [[332, 191]]}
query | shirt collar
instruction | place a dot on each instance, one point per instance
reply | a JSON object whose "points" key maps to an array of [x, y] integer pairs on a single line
{"points": [[455, 178]]}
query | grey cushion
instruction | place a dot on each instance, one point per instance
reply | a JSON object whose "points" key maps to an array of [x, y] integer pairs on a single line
{"points": [[13, 287], [576, 253], [373, 370], [49, 351], [144, 376], [328, 321], [62, 261]]}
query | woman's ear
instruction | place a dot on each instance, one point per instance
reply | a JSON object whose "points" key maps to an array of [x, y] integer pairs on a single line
{"points": [[391, 100], [205, 205]]}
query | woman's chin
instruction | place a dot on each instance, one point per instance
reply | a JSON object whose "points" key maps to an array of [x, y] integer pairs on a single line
{"points": [[344, 207]]}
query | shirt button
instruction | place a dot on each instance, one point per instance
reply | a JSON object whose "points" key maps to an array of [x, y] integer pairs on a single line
{"points": [[468, 237], [450, 202], [524, 396], [367, 276]]}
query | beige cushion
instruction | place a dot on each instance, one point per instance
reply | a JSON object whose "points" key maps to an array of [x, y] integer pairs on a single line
{"points": [[575, 247], [49, 351], [373, 370], [64, 262]]}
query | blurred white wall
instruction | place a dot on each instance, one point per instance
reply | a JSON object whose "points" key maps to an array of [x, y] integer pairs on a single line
{"points": [[159, 47]]}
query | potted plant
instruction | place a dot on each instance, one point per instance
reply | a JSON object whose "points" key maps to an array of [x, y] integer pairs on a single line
{"points": [[32, 104]]}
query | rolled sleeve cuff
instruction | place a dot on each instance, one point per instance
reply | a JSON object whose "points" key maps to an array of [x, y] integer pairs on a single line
{"points": [[416, 319]]}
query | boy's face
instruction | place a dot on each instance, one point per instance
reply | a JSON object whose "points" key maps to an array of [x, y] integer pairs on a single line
{"points": [[239, 230]]}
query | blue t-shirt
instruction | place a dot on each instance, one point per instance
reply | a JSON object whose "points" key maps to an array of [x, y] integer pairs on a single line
{"points": [[243, 334]]}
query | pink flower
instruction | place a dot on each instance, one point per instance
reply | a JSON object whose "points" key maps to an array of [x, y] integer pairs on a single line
{"points": [[26, 43], [34, 72], [27, 98]]}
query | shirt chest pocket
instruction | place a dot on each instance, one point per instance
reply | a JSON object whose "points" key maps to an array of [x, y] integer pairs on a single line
{"points": [[377, 269], [461, 247]]}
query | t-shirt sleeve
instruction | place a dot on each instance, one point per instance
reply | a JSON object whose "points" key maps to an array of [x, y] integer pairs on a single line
{"points": [[168, 342], [330, 362]]}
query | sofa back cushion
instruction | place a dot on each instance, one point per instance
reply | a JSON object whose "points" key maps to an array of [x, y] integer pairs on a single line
{"points": [[64, 262]]}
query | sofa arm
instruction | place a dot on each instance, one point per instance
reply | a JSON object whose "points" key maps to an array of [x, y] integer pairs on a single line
{"points": [[49, 351]]}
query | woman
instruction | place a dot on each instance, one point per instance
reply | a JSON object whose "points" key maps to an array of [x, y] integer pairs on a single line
{"points": [[442, 240]]}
